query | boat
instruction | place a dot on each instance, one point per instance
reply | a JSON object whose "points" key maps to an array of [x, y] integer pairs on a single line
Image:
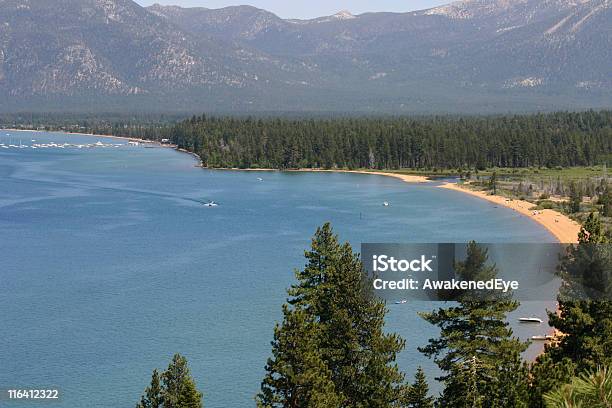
{"points": [[401, 302], [385, 204], [530, 320], [259, 179], [211, 204], [543, 338]]}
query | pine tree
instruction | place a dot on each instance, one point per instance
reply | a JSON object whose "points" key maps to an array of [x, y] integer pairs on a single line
{"points": [[475, 333], [493, 183], [546, 375], [465, 386], [418, 393], [296, 375], [592, 231], [586, 324], [575, 198], [153, 393], [174, 388], [179, 389], [333, 294], [604, 192], [592, 389]]}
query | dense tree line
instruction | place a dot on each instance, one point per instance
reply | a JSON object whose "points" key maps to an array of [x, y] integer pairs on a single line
{"points": [[429, 142], [558, 139]]}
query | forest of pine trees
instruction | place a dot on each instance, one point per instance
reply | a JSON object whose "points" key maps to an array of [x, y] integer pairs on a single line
{"points": [[430, 142], [547, 140]]}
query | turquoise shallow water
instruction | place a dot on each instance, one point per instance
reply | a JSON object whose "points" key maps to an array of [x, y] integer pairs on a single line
{"points": [[109, 263]]}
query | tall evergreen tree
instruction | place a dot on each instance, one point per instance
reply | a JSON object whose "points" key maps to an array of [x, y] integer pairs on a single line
{"points": [[296, 375], [586, 324], [604, 192], [333, 293], [575, 198], [174, 388], [493, 183], [179, 389], [476, 349], [152, 397], [418, 393]]}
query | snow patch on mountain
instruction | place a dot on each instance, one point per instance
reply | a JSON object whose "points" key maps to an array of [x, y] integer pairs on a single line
{"points": [[529, 82]]}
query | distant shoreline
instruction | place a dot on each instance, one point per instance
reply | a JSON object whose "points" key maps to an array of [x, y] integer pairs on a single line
{"points": [[408, 178], [83, 134]]}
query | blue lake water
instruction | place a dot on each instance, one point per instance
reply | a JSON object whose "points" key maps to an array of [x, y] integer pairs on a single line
{"points": [[109, 263]]}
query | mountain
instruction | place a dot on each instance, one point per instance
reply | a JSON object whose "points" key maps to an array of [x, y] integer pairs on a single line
{"points": [[468, 56], [116, 53]]}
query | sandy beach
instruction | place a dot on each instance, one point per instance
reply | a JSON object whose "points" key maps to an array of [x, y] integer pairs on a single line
{"points": [[561, 226], [408, 178]]}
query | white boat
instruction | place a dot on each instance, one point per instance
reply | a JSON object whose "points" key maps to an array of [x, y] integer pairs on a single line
{"points": [[259, 179], [401, 302], [211, 204], [530, 320], [542, 338], [385, 204]]}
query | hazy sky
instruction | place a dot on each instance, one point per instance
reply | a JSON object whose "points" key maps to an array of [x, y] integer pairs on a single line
{"points": [[309, 8]]}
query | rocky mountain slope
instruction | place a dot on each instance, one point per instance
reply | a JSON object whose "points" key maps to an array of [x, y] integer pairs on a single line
{"points": [[474, 55]]}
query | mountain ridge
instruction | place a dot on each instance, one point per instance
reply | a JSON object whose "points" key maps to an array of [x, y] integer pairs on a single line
{"points": [[473, 55]]}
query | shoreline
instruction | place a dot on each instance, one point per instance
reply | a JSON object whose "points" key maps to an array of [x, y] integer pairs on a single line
{"points": [[407, 178], [83, 134], [563, 228]]}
